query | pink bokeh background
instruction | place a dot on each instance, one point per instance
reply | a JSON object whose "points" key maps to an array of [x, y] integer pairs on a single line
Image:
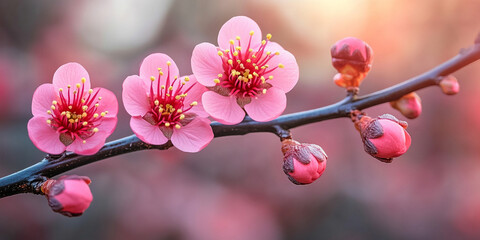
{"points": [[235, 188]]}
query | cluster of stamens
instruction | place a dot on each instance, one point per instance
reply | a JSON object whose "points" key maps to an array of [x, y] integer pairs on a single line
{"points": [[75, 115], [246, 71], [167, 101]]}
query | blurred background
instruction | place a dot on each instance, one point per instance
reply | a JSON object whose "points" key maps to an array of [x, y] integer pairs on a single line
{"points": [[235, 188]]}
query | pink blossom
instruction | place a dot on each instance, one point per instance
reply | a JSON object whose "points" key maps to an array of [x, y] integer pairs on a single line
{"points": [[165, 107], [244, 73], [69, 115], [303, 163], [384, 137], [449, 85], [409, 105], [69, 195]]}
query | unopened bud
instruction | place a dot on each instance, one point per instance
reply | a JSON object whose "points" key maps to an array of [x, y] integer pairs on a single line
{"points": [[409, 105], [449, 85], [68, 195], [383, 137], [352, 58], [302, 162]]}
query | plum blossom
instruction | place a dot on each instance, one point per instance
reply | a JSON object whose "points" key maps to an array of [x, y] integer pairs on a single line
{"points": [[166, 107], [70, 195], [244, 73], [69, 115], [303, 163]]}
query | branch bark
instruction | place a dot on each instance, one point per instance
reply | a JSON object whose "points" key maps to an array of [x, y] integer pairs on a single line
{"points": [[29, 179]]}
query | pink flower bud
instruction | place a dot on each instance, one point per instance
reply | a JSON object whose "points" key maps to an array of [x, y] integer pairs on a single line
{"points": [[449, 85], [352, 58], [69, 195], [303, 162], [383, 137], [409, 105]]}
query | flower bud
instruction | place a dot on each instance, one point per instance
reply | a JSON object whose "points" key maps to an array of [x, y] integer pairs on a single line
{"points": [[409, 105], [303, 163], [69, 195], [383, 137], [352, 58], [449, 85]]}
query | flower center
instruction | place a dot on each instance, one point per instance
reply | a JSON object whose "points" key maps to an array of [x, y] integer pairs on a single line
{"points": [[167, 107], [246, 71], [76, 114]]}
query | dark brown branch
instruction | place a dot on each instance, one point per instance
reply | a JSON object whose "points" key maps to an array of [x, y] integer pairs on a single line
{"points": [[29, 179]]}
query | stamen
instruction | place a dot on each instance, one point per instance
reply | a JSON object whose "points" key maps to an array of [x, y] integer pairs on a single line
{"points": [[269, 36], [95, 130], [83, 80], [177, 126]]}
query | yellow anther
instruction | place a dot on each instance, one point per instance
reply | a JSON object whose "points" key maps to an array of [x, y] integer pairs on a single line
{"points": [[263, 42], [235, 53], [263, 79], [83, 100], [159, 69], [84, 141], [220, 53], [106, 112], [162, 87], [187, 79], [60, 89], [160, 110], [52, 107], [83, 80], [255, 74], [75, 92], [69, 86], [84, 114], [281, 65], [167, 124], [240, 78], [169, 63], [178, 97], [103, 114], [182, 116], [179, 110], [277, 53], [232, 42], [63, 113], [95, 115], [170, 88], [49, 112], [250, 76], [96, 105], [226, 51], [78, 85], [54, 102], [160, 73], [220, 75], [95, 130], [238, 48], [249, 60], [194, 103], [242, 66], [268, 53], [230, 61], [99, 98], [90, 91], [264, 91], [270, 77], [69, 115], [251, 33], [156, 102], [256, 67], [237, 37], [85, 123], [168, 95], [85, 107], [152, 78], [71, 120], [253, 56], [49, 121], [177, 126], [216, 80], [269, 36], [250, 50], [238, 61], [237, 73]]}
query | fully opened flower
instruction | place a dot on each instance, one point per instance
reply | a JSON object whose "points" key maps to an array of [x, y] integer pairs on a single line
{"points": [[164, 106], [69, 115], [244, 73]]}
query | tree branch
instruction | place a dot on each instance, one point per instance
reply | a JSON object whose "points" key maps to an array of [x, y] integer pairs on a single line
{"points": [[29, 179]]}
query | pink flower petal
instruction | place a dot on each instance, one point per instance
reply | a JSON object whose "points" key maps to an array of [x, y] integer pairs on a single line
{"points": [[283, 78], [194, 136], [267, 106], [150, 65], [70, 74], [42, 100], [135, 97], [147, 132], [44, 137], [108, 103], [96, 141], [223, 109], [206, 64], [239, 26]]}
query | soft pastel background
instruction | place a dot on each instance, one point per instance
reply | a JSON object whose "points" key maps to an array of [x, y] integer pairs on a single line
{"points": [[235, 188]]}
